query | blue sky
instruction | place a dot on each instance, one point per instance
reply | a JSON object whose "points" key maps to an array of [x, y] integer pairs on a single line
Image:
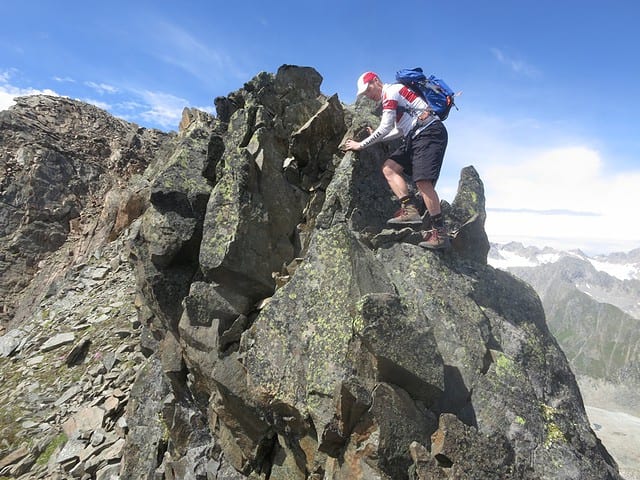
{"points": [[548, 114]]}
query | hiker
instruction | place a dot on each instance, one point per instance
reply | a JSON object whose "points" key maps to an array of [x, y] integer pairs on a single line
{"points": [[406, 114]]}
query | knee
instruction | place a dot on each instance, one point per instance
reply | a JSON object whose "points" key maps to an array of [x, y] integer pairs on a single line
{"points": [[388, 169]]}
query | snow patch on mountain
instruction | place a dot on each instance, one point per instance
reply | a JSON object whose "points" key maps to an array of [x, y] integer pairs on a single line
{"points": [[505, 260], [618, 270], [511, 255]]}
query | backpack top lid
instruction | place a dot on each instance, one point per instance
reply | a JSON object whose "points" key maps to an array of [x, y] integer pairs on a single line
{"points": [[410, 75]]}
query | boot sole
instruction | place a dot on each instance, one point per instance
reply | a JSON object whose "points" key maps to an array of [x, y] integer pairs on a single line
{"points": [[442, 246]]}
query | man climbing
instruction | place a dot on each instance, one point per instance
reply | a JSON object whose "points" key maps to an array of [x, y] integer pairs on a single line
{"points": [[406, 114]]}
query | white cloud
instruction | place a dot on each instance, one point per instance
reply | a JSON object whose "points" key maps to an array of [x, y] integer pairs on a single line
{"points": [[158, 108], [162, 108], [101, 88], [178, 47], [516, 65], [593, 235], [8, 92], [6, 99], [549, 179], [129, 105], [546, 190], [64, 79]]}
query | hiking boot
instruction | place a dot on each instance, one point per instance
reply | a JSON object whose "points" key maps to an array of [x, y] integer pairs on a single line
{"points": [[435, 239], [407, 215]]}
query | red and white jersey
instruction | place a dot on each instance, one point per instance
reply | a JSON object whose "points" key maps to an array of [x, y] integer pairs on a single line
{"points": [[401, 108]]}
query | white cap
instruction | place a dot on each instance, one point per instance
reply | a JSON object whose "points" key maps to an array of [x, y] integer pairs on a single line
{"points": [[364, 80]]}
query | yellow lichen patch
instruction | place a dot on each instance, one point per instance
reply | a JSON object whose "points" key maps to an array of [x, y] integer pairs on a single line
{"points": [[333, 320], [506, 367], [554, 434]]}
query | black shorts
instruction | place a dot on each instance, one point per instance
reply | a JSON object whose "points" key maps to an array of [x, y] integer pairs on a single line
{"points": [[421, 157]]}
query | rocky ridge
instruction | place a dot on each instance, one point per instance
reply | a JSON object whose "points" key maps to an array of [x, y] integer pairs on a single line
{"points": [[64, 164], [71, 342], [284, 333]]}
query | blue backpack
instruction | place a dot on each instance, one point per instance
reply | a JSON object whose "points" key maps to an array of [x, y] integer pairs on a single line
{"points": [[432, 90]]}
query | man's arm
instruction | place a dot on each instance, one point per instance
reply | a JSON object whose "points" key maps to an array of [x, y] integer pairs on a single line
{"points": [[385, 131]]}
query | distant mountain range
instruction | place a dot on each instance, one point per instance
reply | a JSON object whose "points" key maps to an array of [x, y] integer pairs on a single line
{"points": [[592, 305]]}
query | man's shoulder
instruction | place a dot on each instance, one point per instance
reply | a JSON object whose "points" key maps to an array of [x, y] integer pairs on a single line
{"points": [[394, 88], [391, 92], [400, 91]]}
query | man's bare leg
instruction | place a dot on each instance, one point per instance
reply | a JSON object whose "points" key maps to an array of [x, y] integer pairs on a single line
{"points": [[392, 172], [430, 196]]}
